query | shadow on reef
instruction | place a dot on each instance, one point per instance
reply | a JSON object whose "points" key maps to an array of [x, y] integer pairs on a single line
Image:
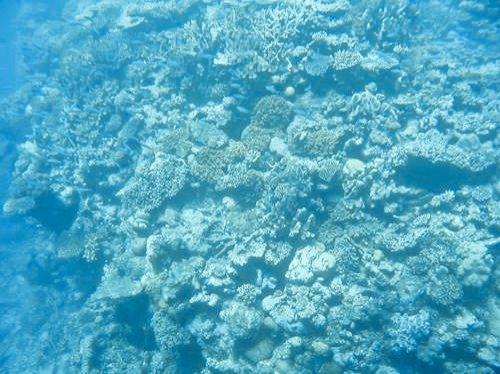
{"points": [[438, 177], [135, 314], [43, 270], [53, 213]]}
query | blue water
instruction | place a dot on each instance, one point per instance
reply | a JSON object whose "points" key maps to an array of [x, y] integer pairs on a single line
{"points": [[243, 186]]}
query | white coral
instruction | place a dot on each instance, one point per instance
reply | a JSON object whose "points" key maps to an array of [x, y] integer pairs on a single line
{"points": [[309, 262], [476, 264]]}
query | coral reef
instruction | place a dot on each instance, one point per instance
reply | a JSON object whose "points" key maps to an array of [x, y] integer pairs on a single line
{"points": [[298, 186]]}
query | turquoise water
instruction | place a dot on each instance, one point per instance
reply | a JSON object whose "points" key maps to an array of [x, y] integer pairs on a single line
{"points": [[249, 186]]}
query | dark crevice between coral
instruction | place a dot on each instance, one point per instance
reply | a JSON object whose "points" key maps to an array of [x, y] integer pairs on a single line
{"points": [[190, 358], [438, 177], [53, 213], [409, 364], [377, 211], [135, 315], [238, 123]]}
